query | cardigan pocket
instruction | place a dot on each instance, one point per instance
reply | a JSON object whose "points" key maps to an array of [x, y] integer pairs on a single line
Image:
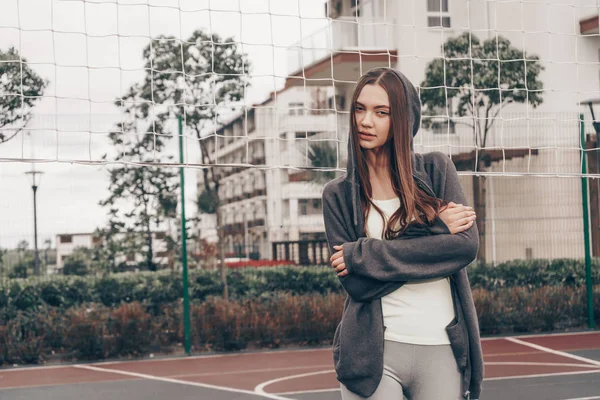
{"points": [[458, 343], [336, 344]]}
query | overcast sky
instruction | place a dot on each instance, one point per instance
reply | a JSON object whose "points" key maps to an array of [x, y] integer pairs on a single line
{"points": [[90, 52]]}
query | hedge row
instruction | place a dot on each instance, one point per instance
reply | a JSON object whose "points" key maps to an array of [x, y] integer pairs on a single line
{"points": [[157, 288], [533, 273], [94, 331]]}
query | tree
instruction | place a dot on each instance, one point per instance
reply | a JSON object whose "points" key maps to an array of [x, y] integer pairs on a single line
{"points": [[2, 254], [21, 270], [207, 202], [198, 79], [483, 78], [152, 189], [109, 245], [79, 262], [21, 88], [25, 261], [323, 155]]}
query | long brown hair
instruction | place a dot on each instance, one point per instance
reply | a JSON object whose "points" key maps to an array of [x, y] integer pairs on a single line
{"points": [[415, 202]]}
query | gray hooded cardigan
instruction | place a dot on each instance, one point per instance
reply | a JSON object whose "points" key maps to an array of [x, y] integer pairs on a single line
{"points": [[379, 267]]}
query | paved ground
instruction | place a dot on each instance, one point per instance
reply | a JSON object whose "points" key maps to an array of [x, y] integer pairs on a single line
{"points": [[548, 367]]}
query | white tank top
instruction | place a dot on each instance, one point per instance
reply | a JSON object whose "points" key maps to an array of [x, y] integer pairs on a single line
{"points": [[416, 313]]}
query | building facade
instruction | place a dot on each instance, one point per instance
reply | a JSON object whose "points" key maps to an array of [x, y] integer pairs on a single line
{"points": [[533, 197], [67, 243], [266, 195]]}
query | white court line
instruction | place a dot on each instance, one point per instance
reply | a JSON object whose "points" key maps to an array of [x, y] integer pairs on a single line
{"points": [[309, 391], [485, 380], [178, 381], [542, 364], [269, 352], [260, 389], [208, 356], [552, 351], [181, 358], [585, 398], [500, 378], [538, 335], [252, 371], [25, 368]]}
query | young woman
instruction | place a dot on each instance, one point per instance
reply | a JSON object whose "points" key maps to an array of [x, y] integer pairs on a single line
{"points": [[400, 234]]}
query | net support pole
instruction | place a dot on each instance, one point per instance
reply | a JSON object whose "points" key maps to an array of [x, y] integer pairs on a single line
{"points": [[586, 226], [186, 299]]}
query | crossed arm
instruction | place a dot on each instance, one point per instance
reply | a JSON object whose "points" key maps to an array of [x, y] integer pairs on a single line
{"points": [[378, 267]]}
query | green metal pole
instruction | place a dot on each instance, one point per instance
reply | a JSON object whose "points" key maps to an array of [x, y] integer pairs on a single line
{"points": [[186, 298], [586, 227]]}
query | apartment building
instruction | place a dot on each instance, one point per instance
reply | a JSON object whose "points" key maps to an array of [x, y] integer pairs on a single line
{"points": [[276, 199], [533, 197], [242, 190], [66, 243]]}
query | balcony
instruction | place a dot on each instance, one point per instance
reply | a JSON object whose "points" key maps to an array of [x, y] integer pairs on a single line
{"points": [[339, 44], [244, 196], [238, 228], [301, 190], [311, 122], [306, 223], [311, 223]]}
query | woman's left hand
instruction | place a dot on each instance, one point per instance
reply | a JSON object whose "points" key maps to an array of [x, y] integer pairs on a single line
{"points": [[337, 261]]}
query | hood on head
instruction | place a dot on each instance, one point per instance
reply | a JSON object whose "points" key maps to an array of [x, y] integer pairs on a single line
{"points": [[414, 122]]}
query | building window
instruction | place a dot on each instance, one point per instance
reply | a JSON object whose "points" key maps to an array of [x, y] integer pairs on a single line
{"points": [[333, 8], [438, 15], [355, 6], [309, 206], [296, 108], [66, 238], [303, 205], [528, 253], [250, 123]]}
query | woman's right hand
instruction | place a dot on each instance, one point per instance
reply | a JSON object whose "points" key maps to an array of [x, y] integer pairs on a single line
{"points": [[457, 217]]}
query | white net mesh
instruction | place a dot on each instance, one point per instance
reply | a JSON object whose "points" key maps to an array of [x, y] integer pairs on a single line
{"points": [[263, 89]]}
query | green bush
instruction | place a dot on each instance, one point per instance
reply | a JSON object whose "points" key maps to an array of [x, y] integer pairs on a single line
{"points": [[86, 332], [532, 273], [154, 289], [129, 325], [94, 331]]}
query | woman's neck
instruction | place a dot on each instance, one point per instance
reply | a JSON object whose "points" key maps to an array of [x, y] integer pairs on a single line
{"points": [[378, 162]]}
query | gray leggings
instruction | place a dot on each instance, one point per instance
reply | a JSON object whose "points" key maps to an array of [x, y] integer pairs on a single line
{"points": [[415, 372]]}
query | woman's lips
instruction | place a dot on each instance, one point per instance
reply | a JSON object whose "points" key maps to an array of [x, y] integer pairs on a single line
{"points": [[366, 136]]}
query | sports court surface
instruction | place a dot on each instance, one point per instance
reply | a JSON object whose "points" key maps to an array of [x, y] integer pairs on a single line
{"points": [[535, 367]]}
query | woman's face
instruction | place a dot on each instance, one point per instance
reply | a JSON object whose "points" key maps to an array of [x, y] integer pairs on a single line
{"points": [[372, 111]]}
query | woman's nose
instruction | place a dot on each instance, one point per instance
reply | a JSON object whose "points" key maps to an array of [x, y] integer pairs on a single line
{"points": [[366, 121]]}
